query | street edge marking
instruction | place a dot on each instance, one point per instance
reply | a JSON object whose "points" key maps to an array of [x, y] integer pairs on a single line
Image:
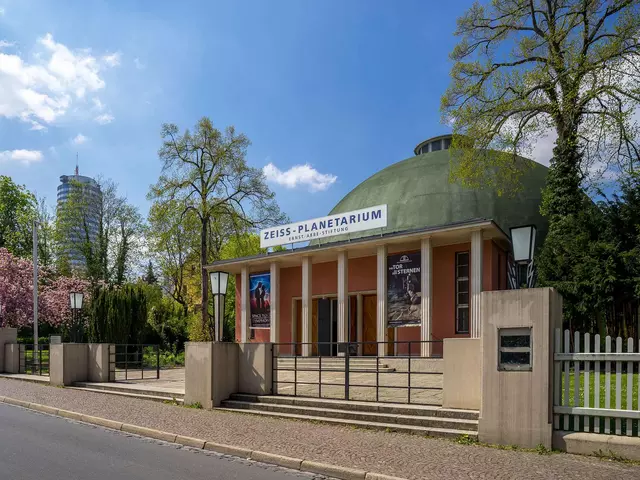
{"points": [[309, 466]]}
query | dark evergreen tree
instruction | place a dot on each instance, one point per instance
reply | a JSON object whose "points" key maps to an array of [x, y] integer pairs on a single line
{"points": [[150, 277]]}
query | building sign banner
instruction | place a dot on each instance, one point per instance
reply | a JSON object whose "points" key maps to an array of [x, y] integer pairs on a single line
{"points": [[338, 224], [260, 291], [403, 290]]}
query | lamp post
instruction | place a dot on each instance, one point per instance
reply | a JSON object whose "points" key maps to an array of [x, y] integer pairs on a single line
{"points": [[75, 302], [219, 281], [523, 241]]}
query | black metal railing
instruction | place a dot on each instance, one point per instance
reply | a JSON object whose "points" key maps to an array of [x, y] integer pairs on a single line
{"points": [[34, 359], [398, 375], [134, 362]]}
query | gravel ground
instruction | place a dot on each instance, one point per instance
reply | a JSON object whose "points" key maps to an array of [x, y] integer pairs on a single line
{"points": [[396, 454]]}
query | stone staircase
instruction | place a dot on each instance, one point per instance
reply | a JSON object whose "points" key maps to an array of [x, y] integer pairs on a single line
{"points": [[132, 390], [356, 364], [415, 419]]}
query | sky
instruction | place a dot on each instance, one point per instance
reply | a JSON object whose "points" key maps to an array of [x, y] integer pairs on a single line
{"points": [[328, 91]]}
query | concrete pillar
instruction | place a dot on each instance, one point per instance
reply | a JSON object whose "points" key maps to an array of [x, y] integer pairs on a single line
{"points": [[343, 297], [211, 372], [68, 363], [381, 291], [245, 305], [98, 362], [517, 405], [359, 322], [476, 283], [274, 306], [255, 368], [11, 358], [426, 304], [7, 336], [307, 307]]}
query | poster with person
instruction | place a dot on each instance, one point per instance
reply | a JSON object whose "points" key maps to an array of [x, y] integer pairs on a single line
{"points": [[403, 290], [260, 290]]}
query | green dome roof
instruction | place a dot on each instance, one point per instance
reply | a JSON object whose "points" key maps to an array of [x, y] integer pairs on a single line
{"points": [[418, 194]]}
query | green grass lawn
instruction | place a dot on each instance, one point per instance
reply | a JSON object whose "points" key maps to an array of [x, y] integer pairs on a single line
{"points": [[601, 392], [41, 357]]}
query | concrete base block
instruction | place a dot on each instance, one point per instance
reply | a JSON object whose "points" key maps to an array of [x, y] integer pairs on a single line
{"points": [[11, 358], [594, 443]]}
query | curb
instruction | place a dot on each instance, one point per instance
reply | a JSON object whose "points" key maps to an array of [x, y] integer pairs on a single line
{"points": [[309, 466]]}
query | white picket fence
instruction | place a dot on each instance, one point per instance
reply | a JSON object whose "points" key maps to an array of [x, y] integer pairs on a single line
{"points": [[595, 391]]}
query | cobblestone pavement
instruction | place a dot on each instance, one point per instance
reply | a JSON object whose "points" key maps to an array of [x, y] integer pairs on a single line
{"points": [[396, 454]]}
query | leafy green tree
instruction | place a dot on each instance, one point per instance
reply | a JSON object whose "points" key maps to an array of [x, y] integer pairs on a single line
{"points": [[527, 67], [150, 277], [18, 208], [207, 174], [118, 314]]}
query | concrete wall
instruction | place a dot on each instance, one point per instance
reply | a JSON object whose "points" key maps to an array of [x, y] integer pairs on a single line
{"points": [[516, 405], [7, 336], [225, 371], [255, 368], [11, 358], [462, 380], [98, 362], [68, 363]]}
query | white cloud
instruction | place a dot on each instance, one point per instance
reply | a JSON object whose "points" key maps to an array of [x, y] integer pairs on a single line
{"points": [[113, 59], [44, 89], [5, 44], [25, 157], [79, 139], [36, 126], [98, 104], [139, 65], [1, 11], [542, 151], [104, 118], [299, 175]]}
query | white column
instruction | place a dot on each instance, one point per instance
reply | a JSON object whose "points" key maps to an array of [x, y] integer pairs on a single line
{"points": [[274, 303], [426, 275], [359, 322], [245, 305], [307, 307], [381, 291], [476, 282], [343, 297]]}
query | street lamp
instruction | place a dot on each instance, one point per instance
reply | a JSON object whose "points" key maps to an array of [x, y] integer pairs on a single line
{"points": [[75, 302], [523, 241], [219, 282]]}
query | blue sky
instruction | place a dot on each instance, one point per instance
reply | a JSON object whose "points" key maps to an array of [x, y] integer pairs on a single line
{"points": [[346, 87]]}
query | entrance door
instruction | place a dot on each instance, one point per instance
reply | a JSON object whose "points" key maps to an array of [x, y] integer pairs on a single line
{"points": [[369, 324], [325, 336]]}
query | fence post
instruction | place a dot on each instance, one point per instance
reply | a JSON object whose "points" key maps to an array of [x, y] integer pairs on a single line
{"points": [[346, 373], [158, 362]]}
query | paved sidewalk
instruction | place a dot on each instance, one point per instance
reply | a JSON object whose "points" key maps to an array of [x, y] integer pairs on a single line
{"points": [[401, 455]]}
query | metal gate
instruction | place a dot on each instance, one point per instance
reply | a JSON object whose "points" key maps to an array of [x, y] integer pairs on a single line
{"points": [[133, 362], [34, 359], [403, 377]]}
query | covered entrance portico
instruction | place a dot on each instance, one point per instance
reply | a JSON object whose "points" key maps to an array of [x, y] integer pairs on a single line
{"points": [[396, 294]]}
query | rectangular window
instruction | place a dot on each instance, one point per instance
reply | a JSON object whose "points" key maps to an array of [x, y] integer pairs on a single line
{"points": [[462, 292], [514, 349]]}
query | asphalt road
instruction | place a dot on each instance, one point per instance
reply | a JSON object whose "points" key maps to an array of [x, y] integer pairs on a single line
{"points": [[43, 447]]}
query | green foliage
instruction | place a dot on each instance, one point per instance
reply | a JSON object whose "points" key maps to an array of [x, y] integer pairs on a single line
{"points": [[150, 277], [526, 69], [166, 320], [17, 211], [118, 314], [592, 257], [466, 440]]}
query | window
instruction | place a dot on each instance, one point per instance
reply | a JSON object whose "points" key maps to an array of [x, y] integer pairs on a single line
{"points": [[462, 292], [447, 143], [435, 146], [514, 349]]}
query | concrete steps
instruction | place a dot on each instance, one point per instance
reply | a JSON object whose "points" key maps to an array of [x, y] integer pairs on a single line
{"points": [[131, 391], [414, 419]]}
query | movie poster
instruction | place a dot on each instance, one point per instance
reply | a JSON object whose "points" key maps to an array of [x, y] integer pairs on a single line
{"points": [[260, 291], [403, 290]]}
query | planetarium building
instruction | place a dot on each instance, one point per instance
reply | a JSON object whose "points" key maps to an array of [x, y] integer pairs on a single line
{"points": [[396, 267]]}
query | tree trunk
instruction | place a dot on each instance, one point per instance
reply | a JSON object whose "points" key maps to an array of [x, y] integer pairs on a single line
{"points": [[204, 283]]}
